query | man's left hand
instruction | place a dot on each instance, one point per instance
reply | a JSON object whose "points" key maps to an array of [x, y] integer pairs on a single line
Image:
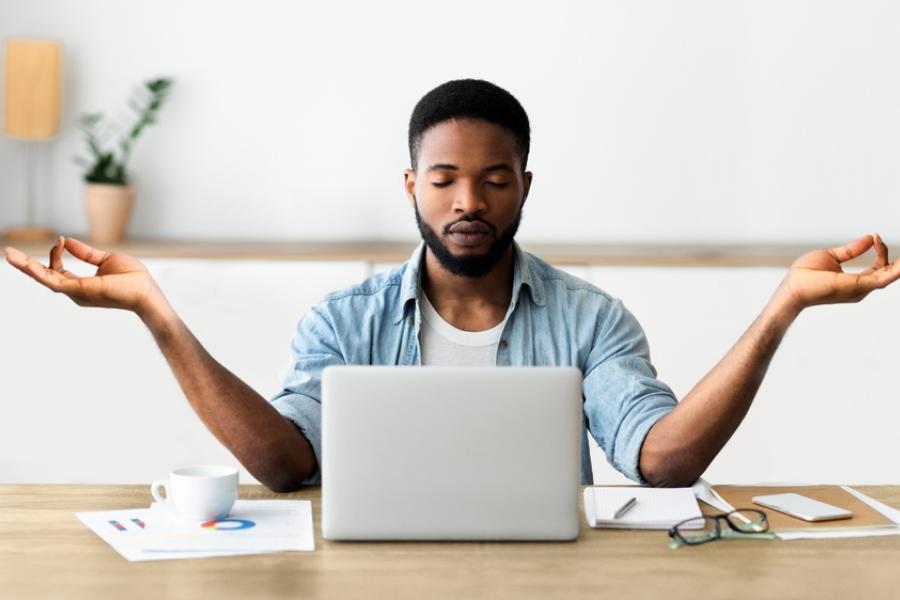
{"points": [[817, 277]]}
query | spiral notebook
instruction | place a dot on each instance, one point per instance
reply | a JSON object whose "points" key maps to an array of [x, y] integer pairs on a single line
{"points": [[656, 508]]}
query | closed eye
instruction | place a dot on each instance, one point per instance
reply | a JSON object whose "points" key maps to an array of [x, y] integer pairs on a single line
{"points": [[498, 184], [440, 184]]}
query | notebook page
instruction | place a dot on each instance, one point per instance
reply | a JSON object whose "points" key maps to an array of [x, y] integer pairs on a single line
{"points": [[655, 507]]}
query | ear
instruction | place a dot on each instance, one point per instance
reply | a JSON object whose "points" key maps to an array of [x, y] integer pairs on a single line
{"points": [[526, 182], [409, 182]]}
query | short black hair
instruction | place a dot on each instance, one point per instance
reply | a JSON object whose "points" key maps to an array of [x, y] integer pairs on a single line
{"points": [[469, 99]]}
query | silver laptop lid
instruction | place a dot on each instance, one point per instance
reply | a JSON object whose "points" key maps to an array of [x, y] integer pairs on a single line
{"points": [[448, 453]]}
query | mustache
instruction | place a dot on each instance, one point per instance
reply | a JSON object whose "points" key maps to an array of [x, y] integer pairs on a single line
{"points": [[470, 219]]}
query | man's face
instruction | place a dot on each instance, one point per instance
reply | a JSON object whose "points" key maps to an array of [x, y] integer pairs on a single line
{"points": [[468, 192]]}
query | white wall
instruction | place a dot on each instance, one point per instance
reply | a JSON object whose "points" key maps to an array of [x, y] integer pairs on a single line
{"points": [[827, 410], [87, 397], [653, 121], [700, 120]]}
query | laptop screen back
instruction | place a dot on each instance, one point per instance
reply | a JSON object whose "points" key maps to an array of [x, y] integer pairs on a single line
{"points": [[450, 453]]}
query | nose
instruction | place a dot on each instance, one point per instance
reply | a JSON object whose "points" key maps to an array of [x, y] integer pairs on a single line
{"points": [[469, 200]]}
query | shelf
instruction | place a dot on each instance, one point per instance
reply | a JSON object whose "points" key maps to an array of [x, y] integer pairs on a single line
{"points": [[695, 255]]}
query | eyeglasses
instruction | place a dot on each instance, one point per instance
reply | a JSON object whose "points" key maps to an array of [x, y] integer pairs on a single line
{"points": [[743, 523]]}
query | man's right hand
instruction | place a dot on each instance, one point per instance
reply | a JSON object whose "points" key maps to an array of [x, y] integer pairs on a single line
{"points": [[120, 281]]}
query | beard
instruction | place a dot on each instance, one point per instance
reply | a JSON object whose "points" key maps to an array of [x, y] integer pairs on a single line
{"points": [[472, 266]]}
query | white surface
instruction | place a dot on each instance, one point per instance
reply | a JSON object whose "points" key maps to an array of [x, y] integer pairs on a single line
{"points": [[656, 508], [450, 453], [714, 120], [703, 491], [826, 411], [87, 397], [277, 526]]}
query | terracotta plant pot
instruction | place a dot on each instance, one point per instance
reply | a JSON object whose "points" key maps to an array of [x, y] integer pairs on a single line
{"points": [[108, 209]]}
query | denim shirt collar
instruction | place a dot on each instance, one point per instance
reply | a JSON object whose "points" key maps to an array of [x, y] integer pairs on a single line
{"points": [[523, 276]]}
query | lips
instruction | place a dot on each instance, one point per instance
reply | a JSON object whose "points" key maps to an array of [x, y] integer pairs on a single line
{"points": [[470, 227], [470, 233], [469, 239]]}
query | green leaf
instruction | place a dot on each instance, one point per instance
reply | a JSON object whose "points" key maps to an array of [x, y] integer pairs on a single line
{"points": [[91, 119], [159, 85], [105, 168], [95, 148]]}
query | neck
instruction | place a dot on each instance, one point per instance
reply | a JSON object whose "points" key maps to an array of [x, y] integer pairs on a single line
{"points": [[466, 300]]}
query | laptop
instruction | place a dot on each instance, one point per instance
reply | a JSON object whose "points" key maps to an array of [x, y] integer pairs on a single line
{"points": [[447, 453]]}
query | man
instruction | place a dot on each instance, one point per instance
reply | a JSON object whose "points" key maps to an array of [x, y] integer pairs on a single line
{"points": [[469, 295]]}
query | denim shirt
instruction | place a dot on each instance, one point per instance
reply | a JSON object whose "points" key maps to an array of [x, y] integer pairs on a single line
{"points": [[554, 319]]}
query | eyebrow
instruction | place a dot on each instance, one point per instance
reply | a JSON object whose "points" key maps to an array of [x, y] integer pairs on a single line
{"points": [[490, 168], [443, 166]]}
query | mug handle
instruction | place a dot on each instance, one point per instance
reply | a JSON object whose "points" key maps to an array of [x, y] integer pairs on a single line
{"points": [[156, 486]]}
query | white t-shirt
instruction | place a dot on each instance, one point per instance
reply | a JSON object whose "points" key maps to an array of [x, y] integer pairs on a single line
{"points": [[444, 345]]}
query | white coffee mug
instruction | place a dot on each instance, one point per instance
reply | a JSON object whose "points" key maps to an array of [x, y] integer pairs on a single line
{"points": [[200, 493]]}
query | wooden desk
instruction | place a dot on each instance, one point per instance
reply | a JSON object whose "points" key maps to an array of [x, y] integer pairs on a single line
{"points": [[46, 552]]}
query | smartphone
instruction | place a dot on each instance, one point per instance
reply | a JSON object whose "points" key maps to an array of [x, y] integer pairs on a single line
{"points": [[802, 507]]}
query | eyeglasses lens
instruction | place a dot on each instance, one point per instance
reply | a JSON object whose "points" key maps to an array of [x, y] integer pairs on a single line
{"points": [[748, 521], [699, 530]]}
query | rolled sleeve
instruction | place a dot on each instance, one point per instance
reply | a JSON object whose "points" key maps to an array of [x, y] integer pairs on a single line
{"points": [[623, 397], [314, 347]]}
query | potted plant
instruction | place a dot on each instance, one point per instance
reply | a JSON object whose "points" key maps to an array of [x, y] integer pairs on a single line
{"points": [[108, 192]]}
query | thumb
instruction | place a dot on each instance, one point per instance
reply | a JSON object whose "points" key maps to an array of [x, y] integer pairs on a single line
{"points": [[84, 252], [853, 249]]}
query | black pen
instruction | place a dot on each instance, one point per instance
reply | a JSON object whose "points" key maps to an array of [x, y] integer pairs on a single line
{"points": [[625, 507]]}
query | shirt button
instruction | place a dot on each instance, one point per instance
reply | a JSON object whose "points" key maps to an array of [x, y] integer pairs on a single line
{"points": [[410, 321], [503, 344]]}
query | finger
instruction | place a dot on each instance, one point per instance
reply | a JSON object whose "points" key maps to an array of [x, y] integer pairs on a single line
{"points": [[74, 287], [82, 251], [881, 278], [852, 249], [881, 256], [56, 255], [16, 257], [56, 260], [42, 274], [66, 282], [881, 252]]}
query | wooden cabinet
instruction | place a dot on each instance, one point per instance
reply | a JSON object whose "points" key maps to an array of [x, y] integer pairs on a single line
{"points": [[87, 397]]}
